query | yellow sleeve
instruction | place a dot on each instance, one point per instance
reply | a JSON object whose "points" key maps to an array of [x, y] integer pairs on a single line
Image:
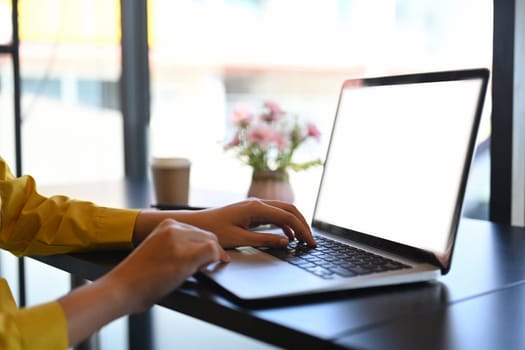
{"points": [[33, 224], [40, 327]]}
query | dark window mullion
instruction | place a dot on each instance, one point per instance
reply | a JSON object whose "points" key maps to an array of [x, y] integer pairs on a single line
{"points": [[502, 113], [135, 87]]}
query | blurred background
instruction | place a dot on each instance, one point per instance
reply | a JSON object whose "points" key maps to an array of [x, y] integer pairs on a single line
{"points": [[205, 56]]}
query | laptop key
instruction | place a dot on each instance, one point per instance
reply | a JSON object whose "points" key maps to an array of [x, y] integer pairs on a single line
{"points": [[343, 272], [332, 258], [360, 270], [295, 260], [320, 271]]}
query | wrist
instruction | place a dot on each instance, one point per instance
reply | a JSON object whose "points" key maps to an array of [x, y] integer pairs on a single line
{"points": [[117, 291], [90, 307]]}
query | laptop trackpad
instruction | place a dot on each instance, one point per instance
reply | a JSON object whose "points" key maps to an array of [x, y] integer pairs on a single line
{"points": [[249, 266]]}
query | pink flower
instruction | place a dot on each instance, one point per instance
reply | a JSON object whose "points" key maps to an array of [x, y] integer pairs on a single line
{"points": [[261, 134], [272, 111], [282, 142], [242, 115], [313, 131], [270, 141]]}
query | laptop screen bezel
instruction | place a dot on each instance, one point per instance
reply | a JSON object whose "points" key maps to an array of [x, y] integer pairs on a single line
{"points": [[443, 261]]}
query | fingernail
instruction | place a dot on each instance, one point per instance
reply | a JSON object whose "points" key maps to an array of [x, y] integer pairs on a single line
{"points": [[284, 241]]}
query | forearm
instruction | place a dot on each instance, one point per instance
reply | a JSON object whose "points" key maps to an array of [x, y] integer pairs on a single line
{"points": [[171, 253], [39, 225], [90, 307], [147, 220], [231, 224]]}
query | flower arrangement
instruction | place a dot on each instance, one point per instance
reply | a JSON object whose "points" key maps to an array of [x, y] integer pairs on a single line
{"points": [[268, 140]]}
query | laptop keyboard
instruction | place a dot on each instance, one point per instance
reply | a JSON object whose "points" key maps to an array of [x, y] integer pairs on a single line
{"points": [[332, 258]]}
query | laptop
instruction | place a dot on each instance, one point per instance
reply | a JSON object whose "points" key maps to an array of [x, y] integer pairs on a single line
{"points": [[390, 196]]}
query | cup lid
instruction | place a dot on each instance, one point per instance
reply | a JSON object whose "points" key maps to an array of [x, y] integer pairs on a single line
{"points": [[171, 162]]}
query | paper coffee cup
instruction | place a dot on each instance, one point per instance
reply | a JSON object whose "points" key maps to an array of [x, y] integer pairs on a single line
{"points": [[171, 180]]}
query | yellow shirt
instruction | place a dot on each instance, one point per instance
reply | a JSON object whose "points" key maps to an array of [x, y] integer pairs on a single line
{"points": [[33, 224]]}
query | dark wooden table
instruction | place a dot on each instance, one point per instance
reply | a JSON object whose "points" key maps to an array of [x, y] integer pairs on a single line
{"points": [[480, 304]]}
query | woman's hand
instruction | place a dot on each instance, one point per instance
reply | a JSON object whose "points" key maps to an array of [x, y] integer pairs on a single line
{"points": [[164, 260], [161, 263], [232, 223]]}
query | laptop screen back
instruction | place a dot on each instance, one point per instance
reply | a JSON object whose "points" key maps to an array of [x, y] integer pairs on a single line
{"points": [[398, 158]]}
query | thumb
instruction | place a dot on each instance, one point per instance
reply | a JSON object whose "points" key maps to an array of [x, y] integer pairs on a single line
{"points": [[225, 258]]}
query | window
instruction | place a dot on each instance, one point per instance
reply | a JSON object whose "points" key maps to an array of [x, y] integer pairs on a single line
{"points": [[71, 123], [70, 67], [208, 55], [7, 145]]}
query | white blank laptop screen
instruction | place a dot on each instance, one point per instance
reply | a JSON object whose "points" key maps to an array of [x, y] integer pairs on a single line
{"points": [[400, 160]]}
